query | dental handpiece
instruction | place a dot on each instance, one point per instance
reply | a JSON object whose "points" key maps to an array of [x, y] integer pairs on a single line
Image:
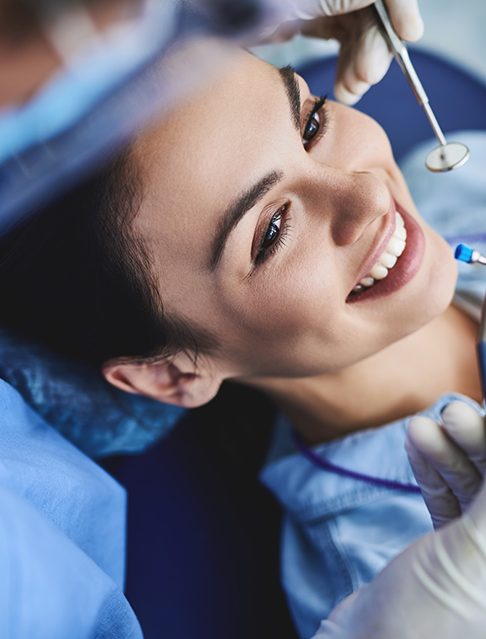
{"points": [[448, 155], [468, 255]]}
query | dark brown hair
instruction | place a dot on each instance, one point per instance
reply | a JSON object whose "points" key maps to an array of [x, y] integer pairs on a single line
{"points": [[78, 279]]}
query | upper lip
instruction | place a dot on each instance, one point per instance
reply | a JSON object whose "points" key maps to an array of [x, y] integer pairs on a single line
{"points": [[380, 242]]}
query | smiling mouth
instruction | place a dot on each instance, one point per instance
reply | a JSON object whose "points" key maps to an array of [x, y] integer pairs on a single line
{"points": [[388, 259], [397, 263]]}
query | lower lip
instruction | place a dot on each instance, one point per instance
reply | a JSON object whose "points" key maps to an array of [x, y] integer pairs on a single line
{"points": [[406, 267]]}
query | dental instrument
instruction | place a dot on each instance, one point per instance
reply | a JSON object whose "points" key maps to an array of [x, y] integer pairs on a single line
{"points": [[468, 255], [448, 155]]}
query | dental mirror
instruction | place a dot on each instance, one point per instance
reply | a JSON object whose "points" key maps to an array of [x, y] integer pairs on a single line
{"points": [[449, 155], [446, 157]]}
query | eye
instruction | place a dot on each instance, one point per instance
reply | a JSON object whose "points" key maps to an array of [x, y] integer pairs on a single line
{"points": [[272, 231], [311, 128], [315, 125], [274, 236]]}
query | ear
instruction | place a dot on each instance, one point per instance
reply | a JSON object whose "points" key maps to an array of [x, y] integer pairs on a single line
{"points": [[172, 381]]}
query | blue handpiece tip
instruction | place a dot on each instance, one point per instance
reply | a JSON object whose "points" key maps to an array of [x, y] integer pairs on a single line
{"points": [[463, 253]]}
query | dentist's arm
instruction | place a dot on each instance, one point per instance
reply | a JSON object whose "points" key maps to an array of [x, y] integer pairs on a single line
{"points": [[364, 57], [437, 586]]}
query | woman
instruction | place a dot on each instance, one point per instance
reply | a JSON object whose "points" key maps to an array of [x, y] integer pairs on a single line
{"points": [[266, 236]]}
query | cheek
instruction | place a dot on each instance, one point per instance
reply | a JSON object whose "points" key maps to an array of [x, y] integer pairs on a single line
{"points": [[296, 322], [289, 323]]}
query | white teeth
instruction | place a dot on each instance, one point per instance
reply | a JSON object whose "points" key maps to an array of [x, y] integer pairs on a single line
{"points": [[401, 232], [367, 281], [396, 246], [389, 257], [379, 272], [388, 260]]}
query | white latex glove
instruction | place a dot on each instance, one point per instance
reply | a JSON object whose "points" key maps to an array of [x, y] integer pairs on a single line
{"points": [[435, 588], [364, 57], [448, 459]]}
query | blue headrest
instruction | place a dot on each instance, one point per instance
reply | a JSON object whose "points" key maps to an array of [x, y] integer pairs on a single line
{"points": [[75, 399]]}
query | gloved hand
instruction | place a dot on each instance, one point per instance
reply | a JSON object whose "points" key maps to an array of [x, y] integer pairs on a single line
{"points": [[435, 588], [364, 57], [448, 459]]}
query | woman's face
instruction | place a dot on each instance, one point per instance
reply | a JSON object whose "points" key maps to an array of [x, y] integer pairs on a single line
{"points": [[264, 210]]}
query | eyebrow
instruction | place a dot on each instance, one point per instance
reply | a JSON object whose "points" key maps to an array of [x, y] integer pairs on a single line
{"points": [[293, 93], [250, 197], [237, 210]]}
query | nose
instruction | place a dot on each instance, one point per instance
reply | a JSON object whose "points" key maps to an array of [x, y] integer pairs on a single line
{"points": [[354, 200]]}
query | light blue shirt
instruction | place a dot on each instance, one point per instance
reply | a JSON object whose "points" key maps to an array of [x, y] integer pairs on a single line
{"points": [[62, 535], [339, 532]]}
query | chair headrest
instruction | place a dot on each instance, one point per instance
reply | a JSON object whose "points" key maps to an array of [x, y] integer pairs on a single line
{"points": [[76, 400]]}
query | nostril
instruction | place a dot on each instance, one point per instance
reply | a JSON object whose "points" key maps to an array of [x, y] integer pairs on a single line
{"points": [[364, 199]]}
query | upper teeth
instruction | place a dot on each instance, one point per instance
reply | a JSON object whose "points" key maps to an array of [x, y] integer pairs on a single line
{"points": [[388, 258]]}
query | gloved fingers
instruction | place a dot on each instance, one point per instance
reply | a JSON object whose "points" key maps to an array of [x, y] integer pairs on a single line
{"points": [[364, 57], [309, 9], [441, 502], [348, 88], [477, 514], [466, 428], [406, 19], [448, 459], [404, 14], [362, 62], [371, 57]]}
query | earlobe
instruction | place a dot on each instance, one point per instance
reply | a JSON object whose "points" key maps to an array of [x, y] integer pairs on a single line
{"points": [[173, 381]]}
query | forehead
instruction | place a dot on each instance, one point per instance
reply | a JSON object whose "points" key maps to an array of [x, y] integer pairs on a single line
{"points": [[227, 117], [197, 159]]}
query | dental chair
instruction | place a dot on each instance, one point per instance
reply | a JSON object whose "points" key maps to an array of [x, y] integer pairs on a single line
{"points": [[203, 534]]}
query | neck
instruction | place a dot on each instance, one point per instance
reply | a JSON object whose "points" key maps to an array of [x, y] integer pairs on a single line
{"points": [[402, 379]]}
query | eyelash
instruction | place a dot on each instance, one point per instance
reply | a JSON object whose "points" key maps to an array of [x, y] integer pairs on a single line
{"points": [[317, 110], [282, 214]]}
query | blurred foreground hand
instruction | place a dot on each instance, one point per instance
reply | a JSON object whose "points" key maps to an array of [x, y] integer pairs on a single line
{"points": [[364, 57], [435, 588]]}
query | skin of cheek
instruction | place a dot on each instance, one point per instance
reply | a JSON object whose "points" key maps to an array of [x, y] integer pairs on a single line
{"points": [[302, 327], [299, 324], [290, 328]]}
